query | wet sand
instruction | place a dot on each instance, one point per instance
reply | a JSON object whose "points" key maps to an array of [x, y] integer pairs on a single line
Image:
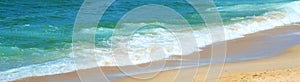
{"points": [[282, 68], [263, 56]]}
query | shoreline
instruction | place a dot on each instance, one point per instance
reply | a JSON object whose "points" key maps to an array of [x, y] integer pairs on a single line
{"points": [[277, 68], [280, 67], [236, 47]]}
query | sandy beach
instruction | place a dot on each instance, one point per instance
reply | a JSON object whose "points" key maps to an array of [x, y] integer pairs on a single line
{"points": [[278, 48], [149, 41], [280, 68]]}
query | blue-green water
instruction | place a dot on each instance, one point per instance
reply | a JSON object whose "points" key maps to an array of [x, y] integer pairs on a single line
{"points": [[36, 33]]}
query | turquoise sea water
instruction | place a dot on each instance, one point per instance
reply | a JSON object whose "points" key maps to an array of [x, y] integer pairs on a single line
{"points": [[37, 34]]}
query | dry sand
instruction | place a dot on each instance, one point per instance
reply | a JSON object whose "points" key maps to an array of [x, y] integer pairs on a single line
{"points": [[284, 67]]}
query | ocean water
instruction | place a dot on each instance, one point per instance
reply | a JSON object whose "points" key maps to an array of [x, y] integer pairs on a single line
{"points": [[36, 35]]}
